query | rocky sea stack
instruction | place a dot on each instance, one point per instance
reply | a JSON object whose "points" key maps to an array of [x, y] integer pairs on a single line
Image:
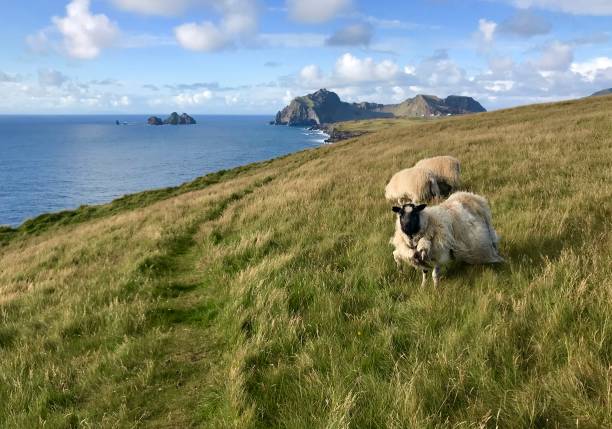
{"points": [[173, 119], [325, 107]]}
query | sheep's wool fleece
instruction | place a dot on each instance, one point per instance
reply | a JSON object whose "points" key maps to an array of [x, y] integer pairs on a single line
{"points": [[411, 185], [462, 224]]}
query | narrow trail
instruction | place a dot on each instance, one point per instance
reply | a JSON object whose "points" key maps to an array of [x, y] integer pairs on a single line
{"points": [[187, 298]]}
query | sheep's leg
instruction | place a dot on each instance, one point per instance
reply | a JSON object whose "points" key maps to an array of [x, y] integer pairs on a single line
{"points": [[435, 274], [424, 279], [397, 259]]}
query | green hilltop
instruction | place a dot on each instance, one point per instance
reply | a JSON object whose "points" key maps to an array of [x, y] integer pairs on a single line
{"points": [[266, 296]]}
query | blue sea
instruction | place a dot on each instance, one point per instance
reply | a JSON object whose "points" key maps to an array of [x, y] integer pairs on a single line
{"points": [[52, 163]]}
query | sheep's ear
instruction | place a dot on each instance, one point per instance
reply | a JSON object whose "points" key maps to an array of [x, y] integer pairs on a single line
{"points": [[419, 208], [397, 209]]}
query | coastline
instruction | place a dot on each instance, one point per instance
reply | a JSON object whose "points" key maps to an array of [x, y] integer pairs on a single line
{"points": [[86, 212], [336, 135]]}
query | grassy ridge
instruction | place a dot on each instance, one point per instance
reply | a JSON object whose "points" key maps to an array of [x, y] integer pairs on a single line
{"points": [[270, 298]]}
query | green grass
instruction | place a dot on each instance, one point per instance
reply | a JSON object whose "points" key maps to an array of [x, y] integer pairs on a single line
{"points": [[267, 296]]}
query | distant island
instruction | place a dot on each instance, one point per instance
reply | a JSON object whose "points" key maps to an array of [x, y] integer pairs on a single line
{"points": [[173, 119], [325, 107]]}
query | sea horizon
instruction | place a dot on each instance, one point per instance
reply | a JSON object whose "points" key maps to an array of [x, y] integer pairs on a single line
{"points": [[60, 162]]}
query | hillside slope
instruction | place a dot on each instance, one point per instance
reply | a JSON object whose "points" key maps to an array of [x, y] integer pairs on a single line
{"points": [[267, 296]]}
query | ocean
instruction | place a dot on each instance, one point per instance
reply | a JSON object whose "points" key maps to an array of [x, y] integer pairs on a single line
{"points": [[53, 163]]}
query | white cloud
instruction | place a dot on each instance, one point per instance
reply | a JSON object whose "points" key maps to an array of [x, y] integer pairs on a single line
{"points": [[154, 7], [499, 85], [583, 7], [440, 71], [409, 70], [311, 74], [486, 29], [287, 97], [84, 34], [193, 99], [353, 69], [122, 101], [205, 37], [399, 94], [50, 77], [316, 11], [239, 20], [232, 99], [556, 57], [590, 70]]}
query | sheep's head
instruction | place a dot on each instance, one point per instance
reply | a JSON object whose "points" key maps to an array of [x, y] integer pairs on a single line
{"points": [[410, 219]]}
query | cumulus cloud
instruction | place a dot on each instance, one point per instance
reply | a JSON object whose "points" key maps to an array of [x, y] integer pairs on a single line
{"points": [[439, 70], [316, 11], [239, 20], [584, 7], [84, 34], [556, 57], [590, 71], [122, 101], [486, 30], [525, 24], [352, 35], [50, 77], [193, 99], [311, 74], [353, 69]]}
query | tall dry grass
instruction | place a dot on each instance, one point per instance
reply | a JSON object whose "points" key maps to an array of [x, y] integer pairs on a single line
{"points": [[271, 299]]}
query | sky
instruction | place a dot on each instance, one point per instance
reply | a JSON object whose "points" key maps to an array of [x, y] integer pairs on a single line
{"points": [[254, 56]]}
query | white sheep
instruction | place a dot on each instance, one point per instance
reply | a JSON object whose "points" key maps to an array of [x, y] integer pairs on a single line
{"points": [[446, 170], [459, 228], [411, 185]]}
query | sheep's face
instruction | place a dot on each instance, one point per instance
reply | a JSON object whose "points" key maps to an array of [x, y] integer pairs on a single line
{"points": [[410, 219]]}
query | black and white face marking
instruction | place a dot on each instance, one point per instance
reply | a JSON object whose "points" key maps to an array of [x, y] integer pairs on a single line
{"points": [[410, 218]]}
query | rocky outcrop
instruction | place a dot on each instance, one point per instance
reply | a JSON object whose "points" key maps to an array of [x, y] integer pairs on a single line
{"points": [[173, 119], [325, 107], [176, 119], [154, 120], [430, 105]]}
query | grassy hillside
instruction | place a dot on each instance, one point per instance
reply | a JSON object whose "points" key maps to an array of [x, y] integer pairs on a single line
{"points": [[267, 296]]}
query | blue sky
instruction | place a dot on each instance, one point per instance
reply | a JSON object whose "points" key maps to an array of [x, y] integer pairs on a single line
{"points": [[249, 56]]}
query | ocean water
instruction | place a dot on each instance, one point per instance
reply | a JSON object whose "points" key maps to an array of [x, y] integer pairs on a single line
{"points": [[52, 163]]}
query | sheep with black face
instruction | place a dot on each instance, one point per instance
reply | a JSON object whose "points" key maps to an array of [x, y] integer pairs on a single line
{"points": [[459, 228]]}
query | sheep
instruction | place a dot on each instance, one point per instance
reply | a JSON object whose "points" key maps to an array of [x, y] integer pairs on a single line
{"points": [[446, 170], [459, 228], [411, 185]]}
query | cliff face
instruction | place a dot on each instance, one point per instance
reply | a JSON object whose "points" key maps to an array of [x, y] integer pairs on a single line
{"points": [[323, 107]]}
